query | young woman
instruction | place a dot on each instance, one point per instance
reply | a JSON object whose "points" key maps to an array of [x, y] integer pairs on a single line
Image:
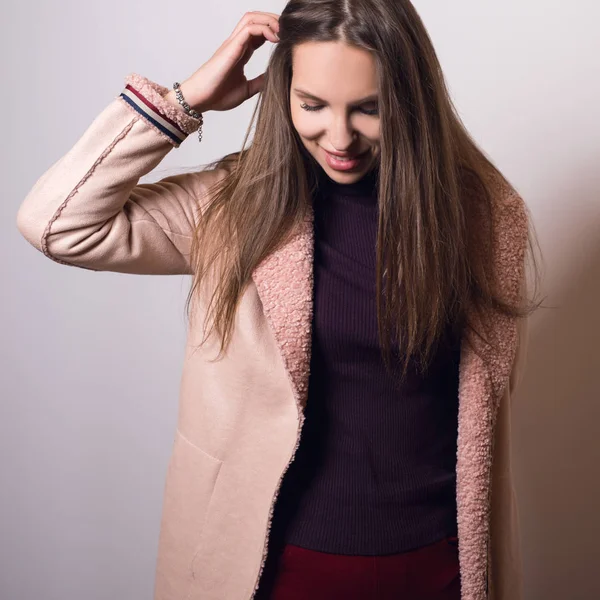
{"points": [[357, 312]]}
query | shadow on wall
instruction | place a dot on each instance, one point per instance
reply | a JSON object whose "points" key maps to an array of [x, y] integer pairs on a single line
{"points": [[556, 441]]}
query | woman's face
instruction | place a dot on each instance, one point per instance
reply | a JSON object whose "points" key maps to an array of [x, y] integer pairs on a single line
{"points": [[340, 114]]}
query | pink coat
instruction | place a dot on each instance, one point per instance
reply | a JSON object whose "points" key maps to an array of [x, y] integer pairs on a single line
{"points": [[240, 418]]}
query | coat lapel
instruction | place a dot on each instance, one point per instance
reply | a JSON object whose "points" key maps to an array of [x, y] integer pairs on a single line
{"points": [[284, 282]]}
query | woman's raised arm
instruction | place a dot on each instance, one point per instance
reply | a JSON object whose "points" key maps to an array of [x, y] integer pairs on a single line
{"points": [[88, 209]]}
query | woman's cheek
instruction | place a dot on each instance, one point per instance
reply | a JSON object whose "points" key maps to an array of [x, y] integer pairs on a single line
{"points": [[307, 127]]}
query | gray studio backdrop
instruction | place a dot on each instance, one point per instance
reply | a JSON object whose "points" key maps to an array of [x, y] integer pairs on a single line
{"points": [[90, 365]]}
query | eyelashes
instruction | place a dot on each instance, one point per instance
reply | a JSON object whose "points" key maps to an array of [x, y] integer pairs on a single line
{"points": [[372, 112]]}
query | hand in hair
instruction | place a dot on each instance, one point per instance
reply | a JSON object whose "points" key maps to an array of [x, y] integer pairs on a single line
{"points": [[220, 83]]}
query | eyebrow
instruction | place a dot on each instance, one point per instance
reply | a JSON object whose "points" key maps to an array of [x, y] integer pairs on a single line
{"points": [[300, 92]]}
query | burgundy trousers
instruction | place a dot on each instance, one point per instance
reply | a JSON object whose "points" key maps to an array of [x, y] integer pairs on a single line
{"points": [[427, 573]]}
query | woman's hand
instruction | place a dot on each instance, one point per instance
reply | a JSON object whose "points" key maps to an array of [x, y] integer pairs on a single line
{"points": [[220, 83]]}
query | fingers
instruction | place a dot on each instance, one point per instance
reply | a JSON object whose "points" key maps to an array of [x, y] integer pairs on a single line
{"points": [[264, 18], [254, 29]]}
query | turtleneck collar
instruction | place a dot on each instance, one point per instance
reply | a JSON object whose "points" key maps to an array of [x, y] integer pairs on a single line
{"points": [[365, 188]]}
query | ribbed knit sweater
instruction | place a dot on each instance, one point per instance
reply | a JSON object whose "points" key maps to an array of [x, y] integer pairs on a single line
{"points": [[375, 469]]}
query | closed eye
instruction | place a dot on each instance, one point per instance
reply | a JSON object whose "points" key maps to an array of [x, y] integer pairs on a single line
{"points": [[372, 112]]}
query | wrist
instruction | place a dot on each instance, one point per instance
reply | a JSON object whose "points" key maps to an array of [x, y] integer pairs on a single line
{"points": [[155, 96], [189, 96]]}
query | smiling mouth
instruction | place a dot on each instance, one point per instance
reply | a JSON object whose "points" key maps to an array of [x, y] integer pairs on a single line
{"points": [[342, 158]]}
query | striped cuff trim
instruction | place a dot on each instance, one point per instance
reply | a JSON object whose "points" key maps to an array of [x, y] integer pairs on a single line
{"points": [[148, 110]]}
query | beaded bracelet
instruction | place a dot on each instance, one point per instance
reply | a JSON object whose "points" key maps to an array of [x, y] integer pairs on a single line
{"points": [[188, 109]]}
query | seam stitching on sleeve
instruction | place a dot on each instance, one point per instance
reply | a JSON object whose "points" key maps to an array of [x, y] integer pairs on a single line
{"points": [[107, 151]]}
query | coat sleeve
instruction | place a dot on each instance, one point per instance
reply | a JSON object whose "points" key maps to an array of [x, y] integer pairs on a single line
{"points": [[88, 209]]}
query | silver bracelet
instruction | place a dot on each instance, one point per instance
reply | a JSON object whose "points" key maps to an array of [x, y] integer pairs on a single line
{"points": [[188, 109]]}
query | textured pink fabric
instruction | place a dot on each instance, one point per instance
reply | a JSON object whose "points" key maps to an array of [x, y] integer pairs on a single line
{"points": [[155, 92]]}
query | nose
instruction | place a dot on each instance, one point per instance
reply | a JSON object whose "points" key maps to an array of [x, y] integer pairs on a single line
{"points": [[342, 134]]}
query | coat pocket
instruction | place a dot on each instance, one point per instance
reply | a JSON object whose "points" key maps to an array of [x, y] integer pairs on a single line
{"points": [[189, 485]]}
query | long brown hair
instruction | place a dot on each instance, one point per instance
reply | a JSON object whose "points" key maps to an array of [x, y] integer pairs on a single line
{"points": [[433, 181]]}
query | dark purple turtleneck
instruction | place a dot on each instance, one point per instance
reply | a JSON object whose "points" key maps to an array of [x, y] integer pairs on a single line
{"points": [[375, 469]]}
